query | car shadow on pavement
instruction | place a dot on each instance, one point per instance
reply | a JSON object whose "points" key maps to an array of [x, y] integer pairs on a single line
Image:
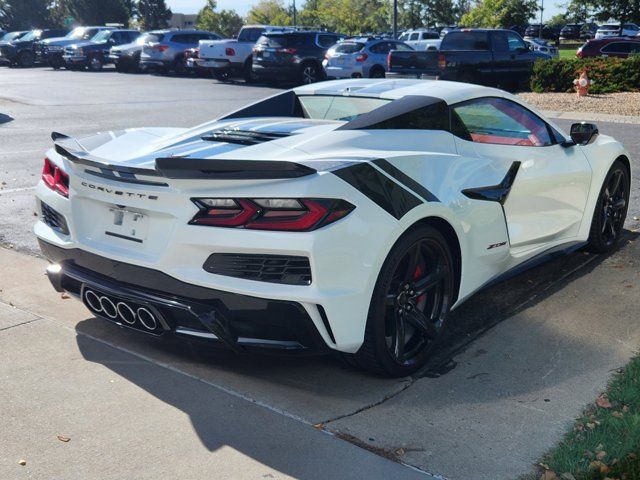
{"points": [[303, 384]]}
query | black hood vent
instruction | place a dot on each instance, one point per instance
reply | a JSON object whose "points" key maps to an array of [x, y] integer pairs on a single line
{"points": [[242, 137]]}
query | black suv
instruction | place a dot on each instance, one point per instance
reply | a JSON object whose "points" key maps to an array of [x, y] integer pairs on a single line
{"points": [[549, 32], [292, 56], [22, 52], [95, 53]]}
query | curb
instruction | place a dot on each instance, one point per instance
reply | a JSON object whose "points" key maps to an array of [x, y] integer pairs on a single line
{"points": [[592, 116]]}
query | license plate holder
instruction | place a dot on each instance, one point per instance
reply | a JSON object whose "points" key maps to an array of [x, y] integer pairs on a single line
{"points": [[128, 225]]}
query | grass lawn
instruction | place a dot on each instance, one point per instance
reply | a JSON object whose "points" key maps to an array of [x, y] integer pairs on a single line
{"points": [[605, 442], [567, 52]]}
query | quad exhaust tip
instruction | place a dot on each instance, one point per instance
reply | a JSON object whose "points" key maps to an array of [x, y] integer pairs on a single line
{"points": [[121, 311]]}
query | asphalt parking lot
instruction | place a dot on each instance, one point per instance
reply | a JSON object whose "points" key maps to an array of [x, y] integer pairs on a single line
{"points": [[518, 365]]}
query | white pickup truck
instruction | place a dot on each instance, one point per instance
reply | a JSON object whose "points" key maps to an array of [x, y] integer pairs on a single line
{"points": [[231, 57]]}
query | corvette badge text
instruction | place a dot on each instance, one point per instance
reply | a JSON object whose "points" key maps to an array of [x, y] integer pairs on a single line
{"points": [[118, 192]]}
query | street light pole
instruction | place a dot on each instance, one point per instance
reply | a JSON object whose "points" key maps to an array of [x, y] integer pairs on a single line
{"points": [[395, 18], [294, 14], [541, 11]]}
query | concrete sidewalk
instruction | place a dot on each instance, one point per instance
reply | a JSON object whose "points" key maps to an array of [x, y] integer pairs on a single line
{"points": [[558, 332]]}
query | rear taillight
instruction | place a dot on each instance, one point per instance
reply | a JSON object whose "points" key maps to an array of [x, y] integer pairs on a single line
{"points": [[442, 62], [285, 214], [229, 52], [54, 178], [362, 57], [161, 48], [389, 61]]}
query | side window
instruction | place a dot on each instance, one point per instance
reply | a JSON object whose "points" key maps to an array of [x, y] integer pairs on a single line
{"points": [[326, 41], [515, 42], [616, 47], [382, 47], [401, 47], [501, 122], [431, 117], [414, 36]]}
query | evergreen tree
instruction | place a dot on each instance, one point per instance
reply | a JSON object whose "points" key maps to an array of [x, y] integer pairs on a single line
{"points": [[153, 14], [24, 14]]}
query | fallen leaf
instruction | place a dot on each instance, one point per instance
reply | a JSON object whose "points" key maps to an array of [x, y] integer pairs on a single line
{"points": [[64, 439], [591, 426], [400, 452], [319, 426], [64, 296], [632, 456], [22, 462], [600, 455], [625, 408], [617, 414], [603, 402]]}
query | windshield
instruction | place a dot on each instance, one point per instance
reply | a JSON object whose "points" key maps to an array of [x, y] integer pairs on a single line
{"points": [[102, 36], [331, 107], [76, 33], [32, 35], [11, 36]]}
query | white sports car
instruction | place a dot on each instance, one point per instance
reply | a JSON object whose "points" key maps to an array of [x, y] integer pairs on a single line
{"points": [[349, 215]]}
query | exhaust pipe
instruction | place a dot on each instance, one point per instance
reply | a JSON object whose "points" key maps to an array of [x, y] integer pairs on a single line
{"points": [[126, 313], [108, 307], [93, 301], [147, 319]]}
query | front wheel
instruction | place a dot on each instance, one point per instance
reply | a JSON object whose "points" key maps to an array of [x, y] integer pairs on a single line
{"points": [[95, 64], [409, 306], [26, 59], [611, 210]]}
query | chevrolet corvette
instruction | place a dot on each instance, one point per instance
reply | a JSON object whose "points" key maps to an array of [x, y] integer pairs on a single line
{"points": [[348, 216]]}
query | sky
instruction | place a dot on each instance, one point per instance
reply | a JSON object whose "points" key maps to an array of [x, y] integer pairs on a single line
{"points": [[243, 6]]}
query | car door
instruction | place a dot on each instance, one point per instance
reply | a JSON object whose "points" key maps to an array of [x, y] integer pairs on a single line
{"points": [[542, 185], [512, 59]]}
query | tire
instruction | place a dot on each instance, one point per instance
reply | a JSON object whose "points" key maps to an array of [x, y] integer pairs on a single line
{"points": [[179, 67], [409, 305], [309, 73], [221, 75], [94, 64], [611, 210], [26, 59], [376, 72], [247, 71]]}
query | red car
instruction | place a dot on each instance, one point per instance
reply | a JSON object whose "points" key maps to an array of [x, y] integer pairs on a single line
{"points": [[621, 47]]}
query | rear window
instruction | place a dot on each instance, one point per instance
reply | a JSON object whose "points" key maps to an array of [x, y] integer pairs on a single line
{"points": [[155, 38], [330, 107], [250, 34], [465, 41], [349, 47]]}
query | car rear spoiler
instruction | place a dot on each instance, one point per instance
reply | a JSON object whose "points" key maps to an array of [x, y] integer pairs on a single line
{"points": [[186, 167]]}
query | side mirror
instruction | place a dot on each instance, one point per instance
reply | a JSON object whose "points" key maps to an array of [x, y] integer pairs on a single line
{"points": [[583, 133]]}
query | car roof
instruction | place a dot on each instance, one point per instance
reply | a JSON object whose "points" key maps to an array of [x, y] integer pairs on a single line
{"points": [[450, 92]]}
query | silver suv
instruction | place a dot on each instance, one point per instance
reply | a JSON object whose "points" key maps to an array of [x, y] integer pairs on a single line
{"points": [[364, 57], [163, 50]]}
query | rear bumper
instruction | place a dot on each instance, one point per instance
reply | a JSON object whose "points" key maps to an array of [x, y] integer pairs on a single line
{"points": [[276, 71], [342, 72], [179, 309]]}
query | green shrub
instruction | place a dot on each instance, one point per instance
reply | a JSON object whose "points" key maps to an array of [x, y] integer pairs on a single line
{"points": [[608, 74]]}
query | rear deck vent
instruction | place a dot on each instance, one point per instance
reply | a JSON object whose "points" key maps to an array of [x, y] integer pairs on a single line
{"points": [[242, 137], [54, 219], [285, 269]]}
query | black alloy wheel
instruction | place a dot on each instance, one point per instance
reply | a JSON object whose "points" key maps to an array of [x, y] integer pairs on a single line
{"points": [[411, 301], [611, 210], [309, 74], [26, 59]]}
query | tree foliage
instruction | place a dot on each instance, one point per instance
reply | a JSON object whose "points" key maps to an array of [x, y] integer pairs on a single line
{"points": [[96, 12], [430, 13], [347, 16], [270, 12], [500, 13], [153, 14], [24, 14], [225, 22]]}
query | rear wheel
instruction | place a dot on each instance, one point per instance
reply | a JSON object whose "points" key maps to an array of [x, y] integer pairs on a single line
{"points": [[410, 304], [247, 71], [611, 210], [377, 72], [221, 75], [309, 73]]}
